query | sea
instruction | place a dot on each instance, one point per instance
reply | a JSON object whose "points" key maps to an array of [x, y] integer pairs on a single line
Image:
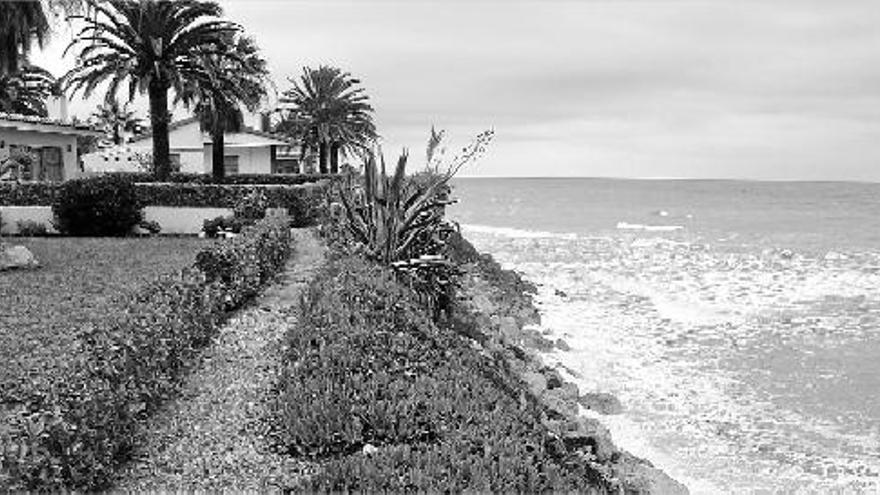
{"points": [[738, 322]]}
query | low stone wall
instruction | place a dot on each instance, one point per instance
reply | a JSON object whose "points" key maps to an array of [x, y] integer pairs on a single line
{"points": [[172, 219]]}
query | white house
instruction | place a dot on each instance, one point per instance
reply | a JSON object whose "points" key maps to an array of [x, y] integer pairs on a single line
{"points": [[51, 142], [250, 151]]}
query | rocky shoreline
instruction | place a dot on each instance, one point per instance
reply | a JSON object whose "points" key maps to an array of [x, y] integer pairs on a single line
{"points": [[507, 320]]}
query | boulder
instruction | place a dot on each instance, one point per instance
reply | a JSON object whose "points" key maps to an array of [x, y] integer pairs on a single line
{"points": [[14, 257], [562, 345], [563, 399], [638, 476], [585, 435], [602, 403], [536, 381]]}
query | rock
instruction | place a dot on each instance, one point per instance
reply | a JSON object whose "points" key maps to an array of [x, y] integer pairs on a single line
{"points": [[537, 382], [601, 402], [640, 477], [563, 399], [14, 257], [562, 345], [586, 435], [560, 293], [554, 378], [369, 449]]}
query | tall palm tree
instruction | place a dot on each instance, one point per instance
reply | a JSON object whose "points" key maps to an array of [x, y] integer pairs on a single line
{"points": [[115, 119], [332, 113], [26, 90], [235, 78], [154, 46], [21, 23]]}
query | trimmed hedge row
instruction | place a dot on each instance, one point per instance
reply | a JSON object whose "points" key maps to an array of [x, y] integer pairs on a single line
{"points": [[393, 403], [28, 193], [239, 179], [71, 428], [306, 202]]}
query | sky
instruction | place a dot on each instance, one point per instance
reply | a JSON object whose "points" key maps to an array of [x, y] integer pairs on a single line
{"points": [[767, 90]]}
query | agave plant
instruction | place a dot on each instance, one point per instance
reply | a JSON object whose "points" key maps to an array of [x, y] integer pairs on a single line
{"points": [[400, 221]]}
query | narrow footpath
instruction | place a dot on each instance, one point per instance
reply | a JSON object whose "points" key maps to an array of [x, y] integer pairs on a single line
{"points": [[212, 437]]}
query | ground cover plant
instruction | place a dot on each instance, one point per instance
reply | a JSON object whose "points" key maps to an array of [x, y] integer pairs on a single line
{"points": [[75, 388], [390, 401]]}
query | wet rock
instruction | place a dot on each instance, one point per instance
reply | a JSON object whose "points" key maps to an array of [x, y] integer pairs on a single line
{"points": [[602, 403], [562, 345], [560, 293], [536, 381], [16, 257], [638, 476]]}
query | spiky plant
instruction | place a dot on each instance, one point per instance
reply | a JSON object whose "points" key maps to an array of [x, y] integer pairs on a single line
{"points": [[26, 90], [399, 221]]}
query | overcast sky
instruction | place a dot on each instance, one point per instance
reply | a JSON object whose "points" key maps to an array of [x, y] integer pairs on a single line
{"points": [[625, 88]]}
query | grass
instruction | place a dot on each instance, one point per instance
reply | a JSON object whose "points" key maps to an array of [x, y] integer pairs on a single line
{"points": [[80, 280]]}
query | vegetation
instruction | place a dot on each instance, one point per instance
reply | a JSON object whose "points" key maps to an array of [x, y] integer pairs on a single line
{"points": [[26, 90], [114, 119], [330, 112], [153, 46], [97, 206], [389, 401], [399, 221], [234, 78], [70, 425], [21, 24]]}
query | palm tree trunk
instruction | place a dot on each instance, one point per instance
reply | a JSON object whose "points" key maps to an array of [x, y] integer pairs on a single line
{"points": [[117, 136], [218, 169], [158, 93], [334, 158], [322, 154]]}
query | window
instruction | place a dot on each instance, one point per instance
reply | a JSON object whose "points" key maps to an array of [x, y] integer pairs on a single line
{"points": [[175, 161], [230, 164], [287, 166]]}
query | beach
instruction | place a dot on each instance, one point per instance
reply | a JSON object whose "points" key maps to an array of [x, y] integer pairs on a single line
{"points": [[742, 365]]}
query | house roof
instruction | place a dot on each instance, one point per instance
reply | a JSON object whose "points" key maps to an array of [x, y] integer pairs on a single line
{"points": [[44, 124], [244, 130]]}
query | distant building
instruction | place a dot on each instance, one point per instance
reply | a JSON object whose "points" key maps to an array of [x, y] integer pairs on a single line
{"points": [[51, 144], [250, 151]]}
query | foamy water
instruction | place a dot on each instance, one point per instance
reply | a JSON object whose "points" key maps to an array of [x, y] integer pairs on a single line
{"points": [[741, 371]]}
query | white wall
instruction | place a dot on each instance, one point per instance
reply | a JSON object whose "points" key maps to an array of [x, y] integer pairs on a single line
{"points": [[67, 143], [174, 220], [251, 160]]}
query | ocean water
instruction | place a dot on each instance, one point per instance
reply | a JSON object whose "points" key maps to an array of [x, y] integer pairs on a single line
{"points": [[738, 322]]}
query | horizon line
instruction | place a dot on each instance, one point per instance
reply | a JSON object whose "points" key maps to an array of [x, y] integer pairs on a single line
{"points": [[682, 179]]}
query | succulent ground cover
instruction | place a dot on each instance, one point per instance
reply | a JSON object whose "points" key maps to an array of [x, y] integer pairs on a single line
{"points": [[80, 279]]}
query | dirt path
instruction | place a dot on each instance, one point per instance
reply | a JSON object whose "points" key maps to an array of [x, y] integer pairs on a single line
{"points": [[212, 437]]}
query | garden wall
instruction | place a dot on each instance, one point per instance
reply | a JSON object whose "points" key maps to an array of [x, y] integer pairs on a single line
{"points": [[178, 207]]}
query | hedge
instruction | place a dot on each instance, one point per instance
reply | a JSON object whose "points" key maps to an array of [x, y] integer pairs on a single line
{"points": [[239, 179], [28, 193], [391, 402], [306, 202], [70, 429]]}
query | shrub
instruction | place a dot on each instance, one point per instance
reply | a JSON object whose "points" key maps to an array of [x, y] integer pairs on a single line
{"points": [[30, 228], [241, 179], [97, 206], [72, 430], [213, 226], [366, 366], [251, 207], [28, 193], [150, 226]]}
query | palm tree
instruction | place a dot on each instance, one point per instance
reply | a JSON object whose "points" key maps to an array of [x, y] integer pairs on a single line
{"points": [[331, 113], [154, 46], [115, 119], [236, 78], [21, 23], [25, 91]]}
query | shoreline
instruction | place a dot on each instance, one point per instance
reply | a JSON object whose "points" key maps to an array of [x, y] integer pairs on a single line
{"points": [[502, 301]]}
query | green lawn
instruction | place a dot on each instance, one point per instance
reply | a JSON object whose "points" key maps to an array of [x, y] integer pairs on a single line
{"points": [[80, 280]]}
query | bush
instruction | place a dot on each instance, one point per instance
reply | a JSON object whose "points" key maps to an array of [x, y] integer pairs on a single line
{"points": [[28, 193], [72, 431], [213, 226], [30, 228], [367, 368], [151, 226], [97, 206], [241, 179]]}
